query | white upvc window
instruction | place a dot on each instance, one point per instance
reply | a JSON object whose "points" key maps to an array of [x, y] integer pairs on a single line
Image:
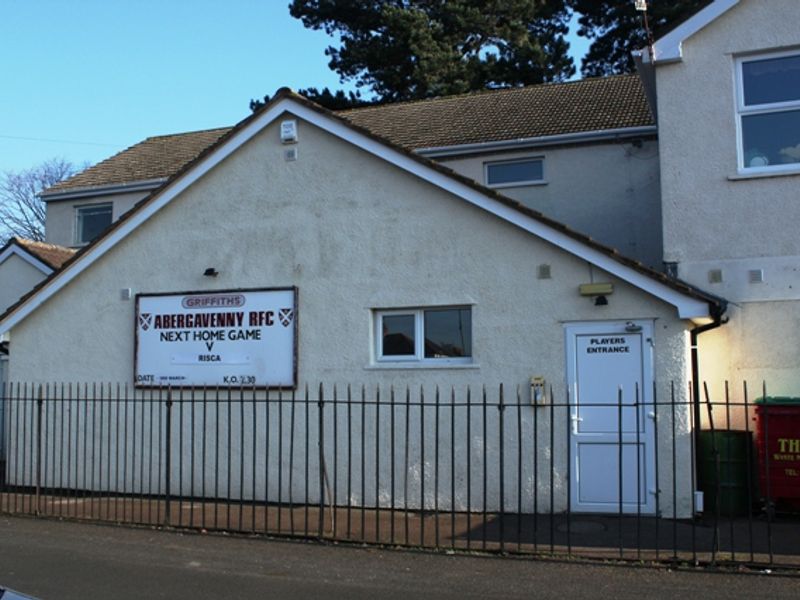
{"points": [[768, 112], [90, 221], [512, 173], [441, 335]]}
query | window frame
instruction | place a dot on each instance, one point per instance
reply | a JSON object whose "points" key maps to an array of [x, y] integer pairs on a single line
{"points": [[418, 358], [77, 237], [521, 183], [742, 111]]}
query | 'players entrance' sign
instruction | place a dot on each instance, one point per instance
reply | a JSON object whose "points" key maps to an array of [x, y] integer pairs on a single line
{"points": [[228, 339]]}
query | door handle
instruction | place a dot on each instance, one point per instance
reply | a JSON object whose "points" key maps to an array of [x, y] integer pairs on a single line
{"points": [[575, 420]]}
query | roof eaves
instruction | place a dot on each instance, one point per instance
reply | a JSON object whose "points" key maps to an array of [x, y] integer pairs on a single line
{"points": [[103, 190], [580, 137], [16, 247], [669, 48]]}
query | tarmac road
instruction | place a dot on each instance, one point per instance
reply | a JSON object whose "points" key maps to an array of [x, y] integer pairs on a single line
{"points": [[63, 560]]}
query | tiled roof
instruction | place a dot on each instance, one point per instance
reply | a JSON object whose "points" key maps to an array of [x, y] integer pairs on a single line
{"points": [[498, 115], [154, 158], [510, 114], [716, 304], [50, 254]]}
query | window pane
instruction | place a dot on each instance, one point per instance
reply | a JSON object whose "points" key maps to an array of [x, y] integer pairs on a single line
{"points": [[92, 220], [448, 332], [771, 80], [398, 335], [514, 172], [771, 139]]}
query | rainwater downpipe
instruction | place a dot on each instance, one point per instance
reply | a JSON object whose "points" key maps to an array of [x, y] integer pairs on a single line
{"points": [[718, 321]]}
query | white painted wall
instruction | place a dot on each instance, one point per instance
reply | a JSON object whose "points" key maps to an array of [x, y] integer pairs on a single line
{"points": [[60, 218], [708, 215], [609, 191], [353, 234], [715, 220], [17, 278]]}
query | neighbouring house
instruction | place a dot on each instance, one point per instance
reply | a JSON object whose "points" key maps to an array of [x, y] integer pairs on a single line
{"points": [[584, 153], [555, 233], [728, 89], [23, 264]]}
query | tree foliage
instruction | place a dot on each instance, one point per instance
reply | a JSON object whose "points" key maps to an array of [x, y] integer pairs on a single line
{"points": [[411, 49], [337, 100], [616, 28], [22, 212]]}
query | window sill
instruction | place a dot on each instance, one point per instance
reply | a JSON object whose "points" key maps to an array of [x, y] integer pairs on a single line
{"points": [[516, 184], [764, 175], [398, 366]]}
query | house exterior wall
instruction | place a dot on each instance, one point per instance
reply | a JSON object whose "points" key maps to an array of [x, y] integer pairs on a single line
{"points": [[354, 234], [609, 191], [60, 217], [17, 278], [717, 220]]}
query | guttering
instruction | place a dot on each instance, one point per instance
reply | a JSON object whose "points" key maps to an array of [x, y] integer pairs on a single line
{"points": [[144, 185], [545, 140]]}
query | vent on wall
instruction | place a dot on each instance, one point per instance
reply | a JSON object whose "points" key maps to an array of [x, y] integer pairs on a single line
{"points": [[543, 272], [756, 275], [715, 276]]}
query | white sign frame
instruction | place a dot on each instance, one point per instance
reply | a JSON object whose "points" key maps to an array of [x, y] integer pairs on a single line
{"points": [[242, 338]]}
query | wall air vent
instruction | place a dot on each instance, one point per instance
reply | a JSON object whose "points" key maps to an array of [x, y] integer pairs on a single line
{"points": [[543, 272]]}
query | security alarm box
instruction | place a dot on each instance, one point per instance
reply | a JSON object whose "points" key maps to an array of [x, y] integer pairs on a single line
{"points": [[288, 132]]}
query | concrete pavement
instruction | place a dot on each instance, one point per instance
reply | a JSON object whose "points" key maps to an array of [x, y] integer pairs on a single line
{"points": [[68, 560]]}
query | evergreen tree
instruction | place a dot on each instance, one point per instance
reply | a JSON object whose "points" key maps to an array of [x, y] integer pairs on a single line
{"points": [[616, 28], [411, 49]]}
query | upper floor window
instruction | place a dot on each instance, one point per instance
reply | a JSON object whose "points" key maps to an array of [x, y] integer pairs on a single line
{"points": [[769, 112], [440, 335], [515, 172], [90, 221]]}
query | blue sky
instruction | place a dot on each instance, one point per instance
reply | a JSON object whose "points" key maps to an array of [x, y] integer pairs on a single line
{"points": [[84, 79]]}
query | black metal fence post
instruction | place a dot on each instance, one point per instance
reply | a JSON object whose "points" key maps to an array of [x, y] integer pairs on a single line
{"points": [[39, 410], [168, 461]]}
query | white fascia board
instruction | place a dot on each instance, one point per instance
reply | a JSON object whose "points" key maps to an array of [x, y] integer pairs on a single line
{"points": [[14, 249], [670, 47], [579, 137], [687, 306], [145, 185]]}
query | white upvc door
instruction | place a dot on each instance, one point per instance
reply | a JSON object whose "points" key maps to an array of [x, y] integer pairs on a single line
{"points": [[3, 370], [612, 451]]}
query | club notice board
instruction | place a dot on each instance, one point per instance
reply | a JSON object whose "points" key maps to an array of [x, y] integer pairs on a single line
{"points": [[227, 339]]}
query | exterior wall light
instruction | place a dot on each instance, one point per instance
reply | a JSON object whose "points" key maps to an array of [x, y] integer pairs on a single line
{"points": [[598, 291], [210, 272]]}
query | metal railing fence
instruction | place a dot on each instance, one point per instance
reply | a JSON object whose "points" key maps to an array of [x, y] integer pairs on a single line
{"points": [[471, 469]]}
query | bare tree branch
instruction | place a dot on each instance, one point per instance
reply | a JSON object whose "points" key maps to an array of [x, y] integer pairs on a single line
{"points": [[22, 212]]}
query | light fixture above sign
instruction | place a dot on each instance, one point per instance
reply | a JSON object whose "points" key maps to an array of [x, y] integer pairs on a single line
{"points": [[596, 289]]}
